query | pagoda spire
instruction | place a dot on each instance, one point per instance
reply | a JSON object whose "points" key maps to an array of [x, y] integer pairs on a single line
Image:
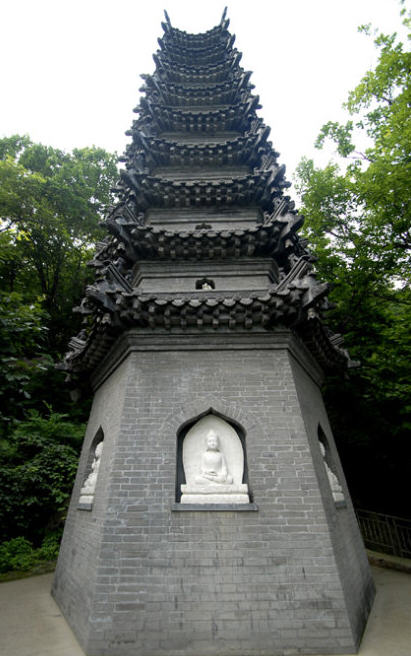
{"points": [[201, 182]]}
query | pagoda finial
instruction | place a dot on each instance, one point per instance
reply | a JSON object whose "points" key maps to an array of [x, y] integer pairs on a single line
{"points": [[223, 17], [167, 17]]}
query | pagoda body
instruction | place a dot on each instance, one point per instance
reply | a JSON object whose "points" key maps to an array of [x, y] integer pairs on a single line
{"points": [[210, 514]]}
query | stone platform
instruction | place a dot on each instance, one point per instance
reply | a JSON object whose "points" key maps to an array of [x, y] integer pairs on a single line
{"points": [[31, 623]]}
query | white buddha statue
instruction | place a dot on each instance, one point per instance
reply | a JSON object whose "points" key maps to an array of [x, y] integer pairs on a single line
{"points": [[88, 489], [213, 463], [209, 479], [336, 489]]}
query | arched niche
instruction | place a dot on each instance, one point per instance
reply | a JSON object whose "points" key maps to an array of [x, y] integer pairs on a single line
{"points": [[327, 457], [192, 443], [335, 485], [98, 437], [91, 474]]}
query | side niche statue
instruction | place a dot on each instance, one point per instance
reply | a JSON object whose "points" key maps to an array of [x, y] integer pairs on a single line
{"points": [[336, 489], [89, 487], [214, 473]]}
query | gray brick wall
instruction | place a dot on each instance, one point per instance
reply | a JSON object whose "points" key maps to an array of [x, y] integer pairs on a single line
{"points": [[351, 558], [134, 577]]}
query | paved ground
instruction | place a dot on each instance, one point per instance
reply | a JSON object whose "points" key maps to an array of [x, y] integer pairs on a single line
{"points": [[32, 625]]}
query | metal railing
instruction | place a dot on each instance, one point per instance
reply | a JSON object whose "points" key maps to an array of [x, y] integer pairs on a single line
{"points": [[385, 533]]}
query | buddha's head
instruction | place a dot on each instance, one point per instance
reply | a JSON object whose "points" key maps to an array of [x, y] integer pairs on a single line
{"points": [[212, 441]]}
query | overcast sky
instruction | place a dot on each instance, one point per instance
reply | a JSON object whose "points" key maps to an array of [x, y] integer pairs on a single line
{"points": [[70, 68]]}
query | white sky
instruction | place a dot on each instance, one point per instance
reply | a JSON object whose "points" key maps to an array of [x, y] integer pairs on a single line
{"points": [[70, 74]]}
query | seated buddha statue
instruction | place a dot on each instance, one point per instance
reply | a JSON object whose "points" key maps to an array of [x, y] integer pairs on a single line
{"points": [[213, 465], [89, 485]]}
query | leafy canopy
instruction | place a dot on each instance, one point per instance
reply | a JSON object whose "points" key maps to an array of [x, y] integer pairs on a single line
{"points": [[37, 469], [51, 203], [375, 185], [358, 224]]}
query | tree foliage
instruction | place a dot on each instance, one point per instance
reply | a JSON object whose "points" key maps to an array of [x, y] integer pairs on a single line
{"points": [[22, 356], [51, 203], [376, 180], [358, 224], [37, 469]]}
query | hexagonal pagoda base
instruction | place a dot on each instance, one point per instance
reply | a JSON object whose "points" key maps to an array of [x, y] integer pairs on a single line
{"points": [[142, 573]]}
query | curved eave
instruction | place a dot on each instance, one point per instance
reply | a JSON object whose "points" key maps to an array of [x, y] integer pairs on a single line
{"points": [[205, 312], [197, 74], [206, 56], [178, 97], [149, 242], [235, 117], [186, 63], [172, 74], [238, 80], [201, 45], [160, 151], [133, 241], [259, 188], [332, 358], [201, 40]]}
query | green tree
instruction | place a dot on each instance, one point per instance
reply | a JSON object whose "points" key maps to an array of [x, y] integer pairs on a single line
{"points": [[358, 224], [377, 177], [51, 203], [37, 469], [22, 356]]}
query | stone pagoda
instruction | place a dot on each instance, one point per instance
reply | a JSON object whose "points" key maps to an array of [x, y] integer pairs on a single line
{"points": [[210, 514]]}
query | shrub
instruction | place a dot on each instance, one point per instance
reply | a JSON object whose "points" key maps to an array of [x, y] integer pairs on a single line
{"points": [[37, 469], [19, 555], [16, 554], [50, 546]]}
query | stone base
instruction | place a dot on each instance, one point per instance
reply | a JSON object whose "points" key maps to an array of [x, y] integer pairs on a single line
{"points": [[215, 498], [216, 507], [212, 494], [86, 499]]}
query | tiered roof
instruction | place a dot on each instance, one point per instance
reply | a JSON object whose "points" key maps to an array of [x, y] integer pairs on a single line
{"points": [[199, 149]]}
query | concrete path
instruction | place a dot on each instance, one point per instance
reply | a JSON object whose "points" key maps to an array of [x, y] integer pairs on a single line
{"points": [[32, 625]]}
